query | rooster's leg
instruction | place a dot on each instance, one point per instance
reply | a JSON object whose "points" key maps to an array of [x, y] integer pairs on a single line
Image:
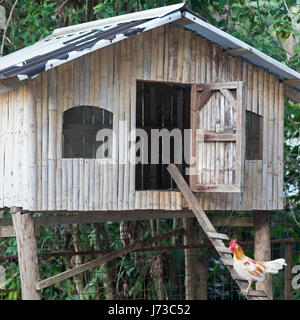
{"points": [[245, 291]]}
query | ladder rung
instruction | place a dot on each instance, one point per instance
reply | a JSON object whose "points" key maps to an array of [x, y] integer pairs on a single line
{"points": [[223, 249], [227, 262], [216, 235], [257, 293]]}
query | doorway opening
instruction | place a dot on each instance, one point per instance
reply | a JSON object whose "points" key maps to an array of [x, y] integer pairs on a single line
{"points": [[161, 106]]}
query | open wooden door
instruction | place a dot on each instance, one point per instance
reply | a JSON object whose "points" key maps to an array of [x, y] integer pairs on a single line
{"points": [[218, 137]]}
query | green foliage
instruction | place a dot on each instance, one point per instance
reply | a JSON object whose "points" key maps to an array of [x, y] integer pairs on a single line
{"points": [[32, 21]]}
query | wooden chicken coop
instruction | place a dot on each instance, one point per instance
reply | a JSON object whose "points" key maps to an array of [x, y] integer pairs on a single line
{"points": [[158, 69]]}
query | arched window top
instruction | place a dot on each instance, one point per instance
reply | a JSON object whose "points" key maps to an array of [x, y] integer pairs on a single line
{"points": [[80, 127]]}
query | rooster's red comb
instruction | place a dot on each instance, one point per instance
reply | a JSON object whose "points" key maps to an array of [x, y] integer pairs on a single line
{"points": [[232, 242]]}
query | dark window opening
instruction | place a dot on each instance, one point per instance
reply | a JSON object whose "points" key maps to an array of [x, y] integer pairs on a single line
{"points": [[254, 136], [80, 127], [161, 106]]}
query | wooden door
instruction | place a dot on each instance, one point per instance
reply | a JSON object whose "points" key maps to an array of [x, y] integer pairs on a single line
{"points": [[218, 137]]}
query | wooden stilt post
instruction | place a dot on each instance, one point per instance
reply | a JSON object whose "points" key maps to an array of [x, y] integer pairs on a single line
{"points": [[262, 246], [288, 272], [191, 283], [202, 268], [27, 254]]}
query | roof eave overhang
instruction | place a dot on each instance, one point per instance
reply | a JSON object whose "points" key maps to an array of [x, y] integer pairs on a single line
{"points": [[10, 83], [242, 49]]}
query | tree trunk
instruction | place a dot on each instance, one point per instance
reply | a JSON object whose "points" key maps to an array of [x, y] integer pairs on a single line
{"points": [[27, 254], [262, 246], [107, 280], [78, 279]]}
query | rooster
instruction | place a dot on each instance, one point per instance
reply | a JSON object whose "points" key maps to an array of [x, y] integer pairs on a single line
{"points": [[250, 269]]}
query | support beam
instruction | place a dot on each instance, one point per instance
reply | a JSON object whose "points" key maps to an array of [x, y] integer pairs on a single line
{"points": [[262, 246], [108, 257], [27, 254], [294, 81], [292, 93], [7, 232], [50, 221], [238, 51]]}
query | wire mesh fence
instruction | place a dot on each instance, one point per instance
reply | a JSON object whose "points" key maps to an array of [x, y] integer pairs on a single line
{"points": [[153, 272]]}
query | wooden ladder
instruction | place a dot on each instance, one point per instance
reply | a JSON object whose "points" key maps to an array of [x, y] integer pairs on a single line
{"points": [[215, 237]]}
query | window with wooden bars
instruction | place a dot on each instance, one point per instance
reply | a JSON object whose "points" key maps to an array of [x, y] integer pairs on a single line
{"points": [[80, 127], [254, 136]]}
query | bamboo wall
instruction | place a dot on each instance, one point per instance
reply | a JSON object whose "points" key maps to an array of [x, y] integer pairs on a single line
{"points": [[33, 174]]}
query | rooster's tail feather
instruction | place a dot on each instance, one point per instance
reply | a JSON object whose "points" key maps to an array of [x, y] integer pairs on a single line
{"points": [[275, 265]]}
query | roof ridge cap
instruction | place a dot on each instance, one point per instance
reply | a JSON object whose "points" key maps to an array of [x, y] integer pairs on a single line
{"points": [[135, 16]]}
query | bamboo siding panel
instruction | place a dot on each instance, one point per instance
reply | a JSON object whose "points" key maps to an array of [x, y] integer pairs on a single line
{"points": [[35, 176]]}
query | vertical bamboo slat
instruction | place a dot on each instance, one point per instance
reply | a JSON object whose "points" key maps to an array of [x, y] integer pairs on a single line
{"points": [[81, 184], [147, 54], [207, 117], [92, 185], [19, 147], [132, 126], [45, 130], [280, 146], [255, 90], [75, 185], [31, 117], [250, 87], [2, 147], [154, 53], [186, 61], [110, 107], [52, 109], [265, 140], [166, 52], [270, 143], [69, 184], [59, 131], [122, 124], [39, 111], [201, 78], [11, 173], [275, 145], [160, 53], [64, 185]]}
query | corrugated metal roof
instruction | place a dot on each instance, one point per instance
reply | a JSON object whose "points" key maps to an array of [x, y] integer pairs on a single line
{"points": [[69, 43]]}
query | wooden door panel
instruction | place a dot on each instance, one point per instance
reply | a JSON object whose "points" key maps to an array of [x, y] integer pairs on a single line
{"points": [[218, 137]]}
